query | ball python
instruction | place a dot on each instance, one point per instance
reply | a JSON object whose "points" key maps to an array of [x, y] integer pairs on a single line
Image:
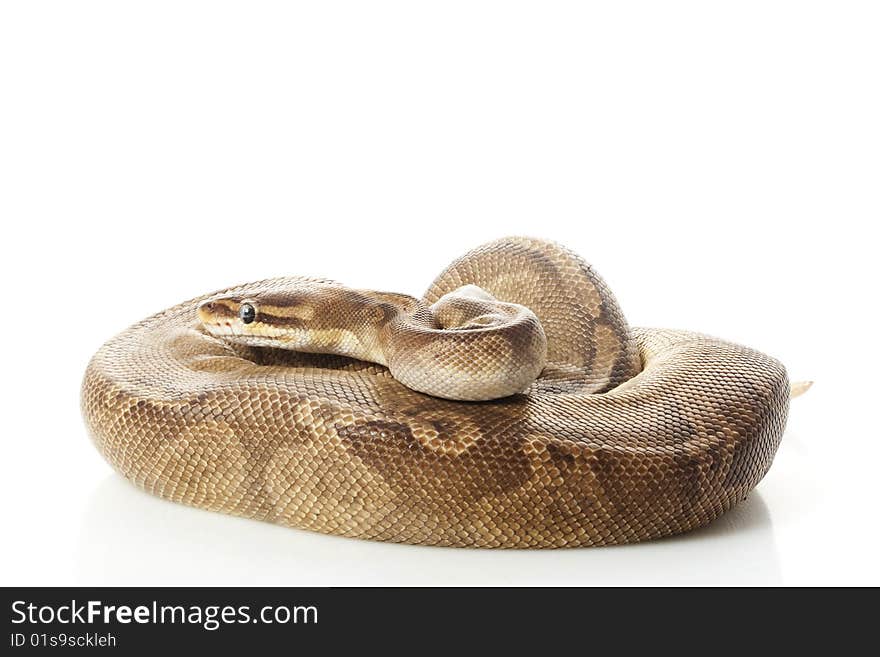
{"points": [[512, 407]]}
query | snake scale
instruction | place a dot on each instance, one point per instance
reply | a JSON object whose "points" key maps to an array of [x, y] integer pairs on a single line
{"points": [[297, 401]]}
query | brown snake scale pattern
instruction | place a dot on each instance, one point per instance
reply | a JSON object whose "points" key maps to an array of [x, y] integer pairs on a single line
{"points": [[627, 435]]}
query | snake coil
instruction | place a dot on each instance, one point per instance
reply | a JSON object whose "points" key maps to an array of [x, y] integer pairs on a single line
{"points": [[625, 434]]}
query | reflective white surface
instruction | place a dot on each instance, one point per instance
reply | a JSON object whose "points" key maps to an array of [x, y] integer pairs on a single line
{"points": [[716, 162]]}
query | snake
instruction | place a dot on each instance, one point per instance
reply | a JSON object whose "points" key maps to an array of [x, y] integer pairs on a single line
{"points": [[511, 406]]}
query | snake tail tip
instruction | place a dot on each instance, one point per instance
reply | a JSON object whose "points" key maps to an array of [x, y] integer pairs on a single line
{"points": [[799, 387]]}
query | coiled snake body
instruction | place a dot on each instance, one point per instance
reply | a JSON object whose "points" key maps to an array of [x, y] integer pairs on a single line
{"points": [[275, 401]]}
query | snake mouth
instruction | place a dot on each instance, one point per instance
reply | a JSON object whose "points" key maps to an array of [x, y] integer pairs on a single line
{"points": [[231, 332], [252, 341], [220, 330], [216, 326]]}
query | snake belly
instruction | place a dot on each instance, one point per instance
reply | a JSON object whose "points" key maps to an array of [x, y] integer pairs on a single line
{"points": [[627, 435]]}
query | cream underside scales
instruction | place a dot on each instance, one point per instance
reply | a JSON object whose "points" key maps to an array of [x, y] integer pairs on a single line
{"points": [[466, 346]]}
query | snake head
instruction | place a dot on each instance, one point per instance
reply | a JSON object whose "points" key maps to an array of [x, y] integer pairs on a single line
{"points": [[308, 316], [278, 319]]}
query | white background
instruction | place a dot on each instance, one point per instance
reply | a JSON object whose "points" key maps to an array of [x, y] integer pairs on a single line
{"points": [[717, 162]]}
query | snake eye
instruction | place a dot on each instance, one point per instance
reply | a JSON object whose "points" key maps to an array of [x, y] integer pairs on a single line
{"points": [[247, 313]]}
